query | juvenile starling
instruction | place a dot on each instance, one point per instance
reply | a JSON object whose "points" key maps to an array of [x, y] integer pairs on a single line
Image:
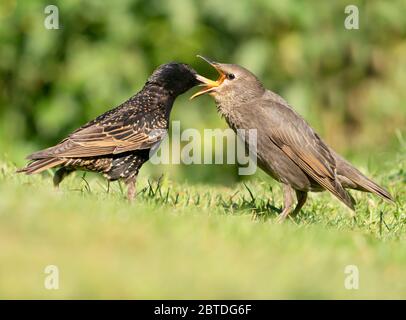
{"points": [[287, 148], [118, 142]]}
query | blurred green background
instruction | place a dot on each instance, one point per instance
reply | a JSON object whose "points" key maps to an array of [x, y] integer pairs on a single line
{"points": [[188, 238], [349, 84]]}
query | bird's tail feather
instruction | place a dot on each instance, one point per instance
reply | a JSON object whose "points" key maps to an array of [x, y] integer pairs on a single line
{"points": [[365, 184], [40, 165], [359, 181]]}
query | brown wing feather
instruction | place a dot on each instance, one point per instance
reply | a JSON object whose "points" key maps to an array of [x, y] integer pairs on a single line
{"points": [[330, 184], [100, 140], [303, 146]]}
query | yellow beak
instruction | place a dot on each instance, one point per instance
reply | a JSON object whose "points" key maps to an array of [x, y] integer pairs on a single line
{"points": [[208, 84]]}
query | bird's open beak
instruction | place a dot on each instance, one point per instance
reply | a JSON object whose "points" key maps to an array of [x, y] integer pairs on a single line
{"points": [[209, 85]]}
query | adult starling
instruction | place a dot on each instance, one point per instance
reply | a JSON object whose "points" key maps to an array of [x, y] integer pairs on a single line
{"points": [[118, 142], [287, 148]]}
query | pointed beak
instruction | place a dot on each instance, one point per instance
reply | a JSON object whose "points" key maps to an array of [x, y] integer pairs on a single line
{"points": [[209, 85]]}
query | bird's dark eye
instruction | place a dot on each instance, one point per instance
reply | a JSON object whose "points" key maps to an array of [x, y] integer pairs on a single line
{"points": [[230, 76]]}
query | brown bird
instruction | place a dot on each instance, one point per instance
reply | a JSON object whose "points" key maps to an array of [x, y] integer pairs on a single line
{"points": [[287, 148], [118, 142]]}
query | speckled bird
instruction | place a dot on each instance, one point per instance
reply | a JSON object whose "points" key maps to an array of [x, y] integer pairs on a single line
{"points": [[118, 142], [287, 148]]}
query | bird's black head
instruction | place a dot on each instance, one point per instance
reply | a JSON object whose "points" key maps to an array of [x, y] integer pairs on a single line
{"points": [[175, 77]]}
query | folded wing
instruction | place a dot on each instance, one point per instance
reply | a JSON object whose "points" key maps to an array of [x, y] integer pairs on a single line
{"points": [[105, 138], [290, 132]]}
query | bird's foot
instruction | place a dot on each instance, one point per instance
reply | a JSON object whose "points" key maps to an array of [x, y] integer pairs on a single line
{"points": [[285, 213], [281, 218]]}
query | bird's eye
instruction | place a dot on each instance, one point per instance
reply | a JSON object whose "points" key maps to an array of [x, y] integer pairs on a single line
{"points": [[230, 76]]}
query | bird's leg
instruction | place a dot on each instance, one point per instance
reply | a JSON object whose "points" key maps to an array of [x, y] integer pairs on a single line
{"points": [[131, 189], [287, 202], [61, 174], [301, 199]]}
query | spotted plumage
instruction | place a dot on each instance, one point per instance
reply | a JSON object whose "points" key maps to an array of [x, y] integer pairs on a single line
{"points": [[118, 142]]}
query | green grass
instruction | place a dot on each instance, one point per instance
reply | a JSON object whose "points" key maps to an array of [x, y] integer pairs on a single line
{"points": [[200, 241]]}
